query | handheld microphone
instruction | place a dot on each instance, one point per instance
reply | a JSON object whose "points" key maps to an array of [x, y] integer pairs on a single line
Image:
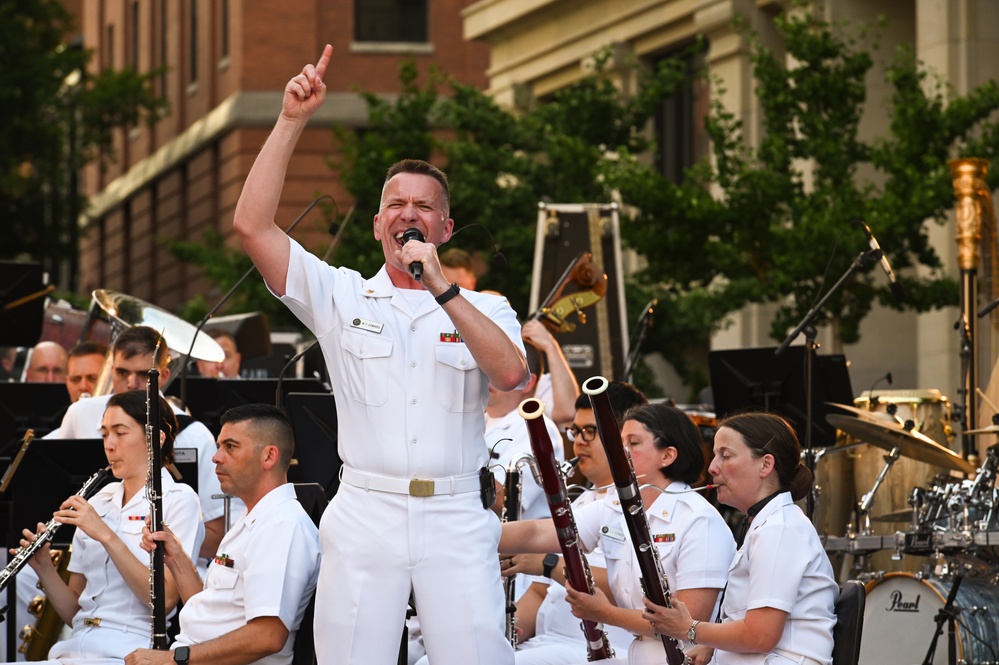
{"points": [[415, 268], [896, 289]]}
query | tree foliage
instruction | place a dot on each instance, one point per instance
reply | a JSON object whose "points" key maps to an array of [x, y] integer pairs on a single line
{"points": [[54, 119]]}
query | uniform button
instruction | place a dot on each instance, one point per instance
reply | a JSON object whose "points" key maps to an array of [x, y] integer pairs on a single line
{"points": [[414, 400], [414, 440], [413, 328], [412, 364], [463, 362]]}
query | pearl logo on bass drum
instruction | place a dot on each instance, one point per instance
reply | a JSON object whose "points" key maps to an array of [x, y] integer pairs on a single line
{"points": [[898, 603]]}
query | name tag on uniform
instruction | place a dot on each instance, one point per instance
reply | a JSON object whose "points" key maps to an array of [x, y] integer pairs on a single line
{"points": [[613, 533], [363, 324]]}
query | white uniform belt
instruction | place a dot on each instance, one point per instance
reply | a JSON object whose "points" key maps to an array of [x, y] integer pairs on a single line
{"points": [[468, 482], [797, 657], [97, 622]]}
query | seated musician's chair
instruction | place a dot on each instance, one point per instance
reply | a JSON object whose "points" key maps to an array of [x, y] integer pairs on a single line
{"points": [[849, 623]]}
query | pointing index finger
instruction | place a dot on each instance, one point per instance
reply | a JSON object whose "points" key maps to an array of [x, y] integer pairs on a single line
{"points": [[324, 60]]}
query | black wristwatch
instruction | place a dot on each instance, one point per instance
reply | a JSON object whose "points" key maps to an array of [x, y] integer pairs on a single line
{"points": [[181, 655], [548, 565]]}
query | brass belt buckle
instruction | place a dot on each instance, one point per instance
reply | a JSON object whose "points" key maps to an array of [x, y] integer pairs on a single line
{"points": [[93, 622], [420, 487]]}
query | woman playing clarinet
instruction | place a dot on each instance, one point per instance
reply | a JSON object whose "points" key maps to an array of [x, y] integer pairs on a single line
{"points": [[106, 600], [692, 541], [778, 607]]}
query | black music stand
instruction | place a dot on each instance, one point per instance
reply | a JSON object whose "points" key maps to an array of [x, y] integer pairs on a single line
{"points": [[22, 303], [36, 406], [756, 379], [51, 471], [209, 398], [313, 418]]}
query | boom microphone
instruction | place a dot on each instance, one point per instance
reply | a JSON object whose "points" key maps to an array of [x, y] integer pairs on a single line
{"points": [[896, 289], [416, 267]]}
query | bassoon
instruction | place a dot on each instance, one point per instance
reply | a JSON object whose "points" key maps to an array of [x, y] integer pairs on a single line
{"points": [[577, 570], [154, 494], [654, 582]]}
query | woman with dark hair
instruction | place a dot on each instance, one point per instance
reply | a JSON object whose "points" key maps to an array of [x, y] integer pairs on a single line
{"points": [[778, 606], [106, 599], [694, 544]]}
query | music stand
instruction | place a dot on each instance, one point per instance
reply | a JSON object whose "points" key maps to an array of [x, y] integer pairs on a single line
{"points": [[313, 419], [756, 379], [22, 303], [209, 398], [36, 406], [51, 471]]}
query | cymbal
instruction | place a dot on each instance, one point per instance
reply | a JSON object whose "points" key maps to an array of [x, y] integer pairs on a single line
{"points": [[177, 332], [910, 444], [874, 416], [991, 429]]}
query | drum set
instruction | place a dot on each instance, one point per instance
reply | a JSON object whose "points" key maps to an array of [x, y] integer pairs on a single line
{"points": [[938, 556]]}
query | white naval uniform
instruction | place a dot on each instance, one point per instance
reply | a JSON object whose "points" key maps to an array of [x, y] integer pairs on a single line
{"points": [[106, 598], [83, 421], [274, 555], [558, 638], [695, 548], [782, 564], [410, 404]]}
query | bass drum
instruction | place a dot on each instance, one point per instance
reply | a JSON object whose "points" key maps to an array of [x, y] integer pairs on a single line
{"points": [[930, 413], [899, 621]]}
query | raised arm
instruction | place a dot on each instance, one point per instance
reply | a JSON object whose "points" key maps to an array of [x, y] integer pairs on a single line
{"points": [[266, 244]]}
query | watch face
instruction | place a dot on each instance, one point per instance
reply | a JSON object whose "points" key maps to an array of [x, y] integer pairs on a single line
{"points": [[181, 655]]}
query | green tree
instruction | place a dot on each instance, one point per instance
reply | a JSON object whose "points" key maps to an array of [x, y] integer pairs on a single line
{"points": [[54, 119]]}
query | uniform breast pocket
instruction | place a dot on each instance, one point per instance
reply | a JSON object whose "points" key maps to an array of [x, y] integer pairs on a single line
{"points": [[366, 365], [222, 579], [459, 381]]}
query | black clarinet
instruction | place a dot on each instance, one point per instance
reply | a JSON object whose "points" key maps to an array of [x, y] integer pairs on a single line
{"points": [[23, 555], [654, 582], [577, 570], [512, 488], [154, 494]]}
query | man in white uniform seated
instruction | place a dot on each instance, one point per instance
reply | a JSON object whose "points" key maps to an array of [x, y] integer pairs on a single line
{"points": [[257, 589]]}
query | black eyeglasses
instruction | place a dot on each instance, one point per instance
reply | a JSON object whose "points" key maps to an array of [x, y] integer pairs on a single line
{"points": [[588, 432]]}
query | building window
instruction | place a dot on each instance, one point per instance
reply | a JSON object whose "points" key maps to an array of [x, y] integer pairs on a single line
{"points": [[162, 64], [390, 21], [109, 48], [224, 26], [133, 29], [679, 123], [193, 43]]}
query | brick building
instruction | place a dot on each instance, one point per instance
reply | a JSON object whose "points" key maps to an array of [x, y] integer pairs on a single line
{"points": [[225, 65]]}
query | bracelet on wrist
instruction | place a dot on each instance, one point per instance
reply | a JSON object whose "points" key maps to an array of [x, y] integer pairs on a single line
{"points": [[447, 295]]}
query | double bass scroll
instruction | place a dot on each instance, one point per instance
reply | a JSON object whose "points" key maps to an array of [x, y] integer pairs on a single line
{"points": [[577, 571], [653, 579]]}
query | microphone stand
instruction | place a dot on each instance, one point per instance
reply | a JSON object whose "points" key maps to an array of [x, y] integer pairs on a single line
{"points": [[294, 359], [949, 614], [225, 298], [858, 264], [644, 323]]}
